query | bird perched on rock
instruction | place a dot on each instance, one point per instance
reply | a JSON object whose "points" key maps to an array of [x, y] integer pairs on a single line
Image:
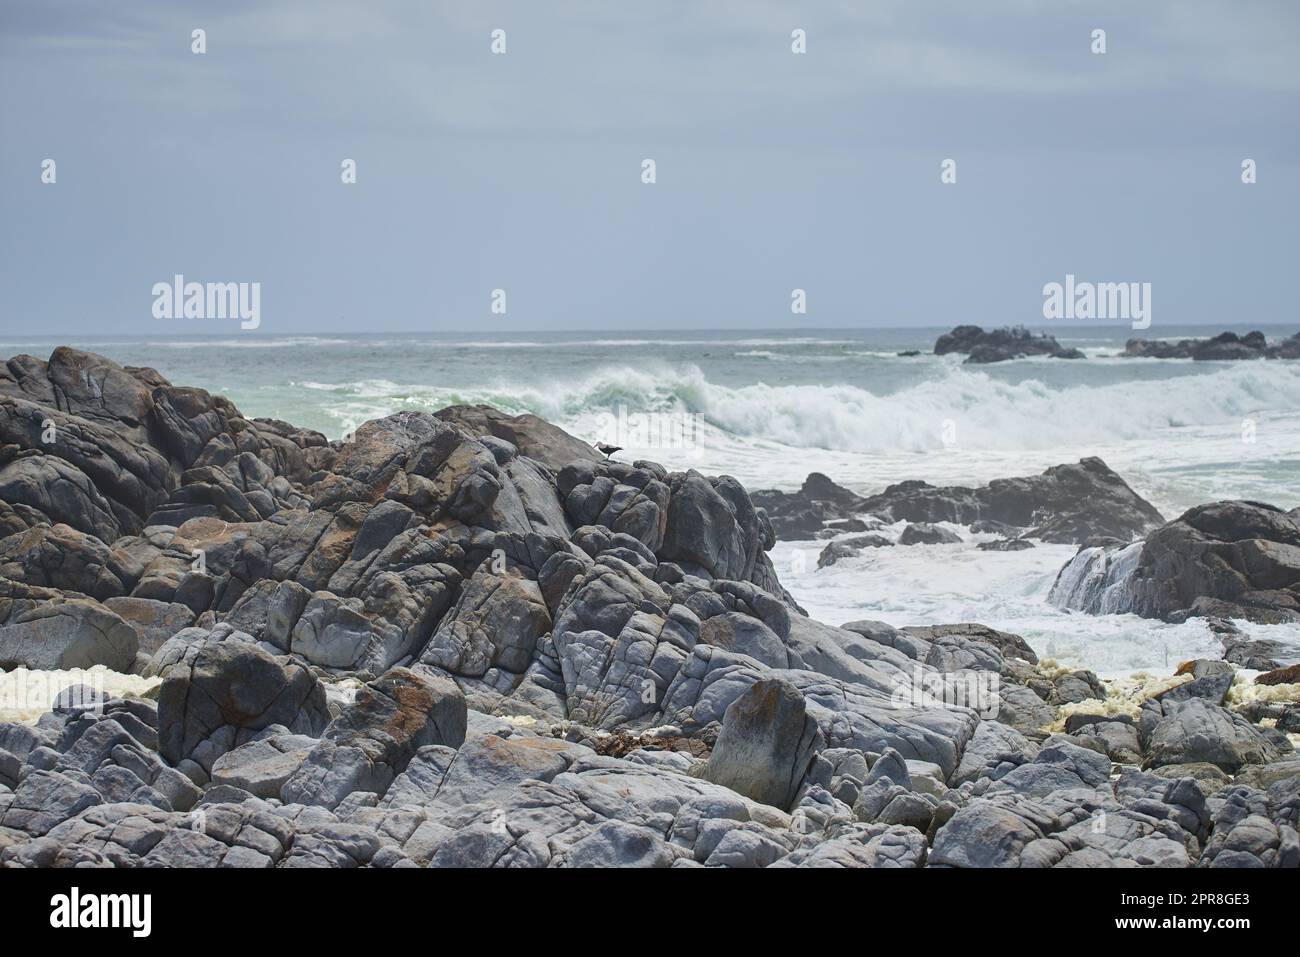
{"points": [[607, 449]]}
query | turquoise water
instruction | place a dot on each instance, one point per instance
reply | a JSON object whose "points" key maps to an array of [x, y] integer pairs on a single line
{"points": [[770, 406]]}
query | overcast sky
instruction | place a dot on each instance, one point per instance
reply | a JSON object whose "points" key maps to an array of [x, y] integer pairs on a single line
{"points": [[522, 171]]}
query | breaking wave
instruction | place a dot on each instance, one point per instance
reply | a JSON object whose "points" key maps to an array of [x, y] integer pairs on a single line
{"points": [[971, 407]]}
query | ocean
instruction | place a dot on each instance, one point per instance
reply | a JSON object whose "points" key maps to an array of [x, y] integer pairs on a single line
{"points": [[771, 406]]}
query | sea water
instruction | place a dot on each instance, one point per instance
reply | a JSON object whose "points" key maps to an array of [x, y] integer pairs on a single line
{"points": [[769, 407]]}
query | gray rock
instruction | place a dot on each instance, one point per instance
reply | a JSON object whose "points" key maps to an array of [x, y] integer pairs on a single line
{"points": [[767, 742], [261, 767], [1212, 688], [1207, 776], [1225, 559], [999, 345], [1119, 740], [44, 799], [711, 526], [495, 624], [993, 750], [533, 437], [1007, 644], [1199, 731], [923, 533], [488, 767], [618, 844], [221, 692], [41, 630], [373, 739], [1264, 776], [154, 621]]}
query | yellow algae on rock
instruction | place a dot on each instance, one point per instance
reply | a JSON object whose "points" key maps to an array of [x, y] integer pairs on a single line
{"points": [[1124, 697], [1246, 691]]}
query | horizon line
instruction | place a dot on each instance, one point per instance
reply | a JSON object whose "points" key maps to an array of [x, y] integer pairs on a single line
{"points": [[619, 333]]}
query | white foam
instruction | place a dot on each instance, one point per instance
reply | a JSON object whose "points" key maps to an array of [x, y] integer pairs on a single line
{"points": [[944, 584], [1178, 440], [25, 694]]}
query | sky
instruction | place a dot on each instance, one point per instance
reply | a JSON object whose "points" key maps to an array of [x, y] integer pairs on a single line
{"points": [[522, 171]]}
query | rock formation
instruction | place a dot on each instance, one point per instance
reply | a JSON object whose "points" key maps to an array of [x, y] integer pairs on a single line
{"points": [[1225, 346], [426, 646], [999, 345]]}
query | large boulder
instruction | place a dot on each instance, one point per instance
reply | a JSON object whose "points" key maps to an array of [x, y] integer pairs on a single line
{"points": [[766, 743], [40, 629], [1066, 503], [1224, 346], [1069, 504], [374, 738], [218, 693], [712, 527], [1199, 731]]}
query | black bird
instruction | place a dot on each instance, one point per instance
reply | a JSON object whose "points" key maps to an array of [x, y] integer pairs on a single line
{"points": [[608, 450]]}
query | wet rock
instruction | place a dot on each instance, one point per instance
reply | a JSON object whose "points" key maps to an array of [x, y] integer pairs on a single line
{"points": [[850, 547], [1225, 559], [922, 533], [1005, 545], [1225, 346], [1280, 676], [1067, 503]]}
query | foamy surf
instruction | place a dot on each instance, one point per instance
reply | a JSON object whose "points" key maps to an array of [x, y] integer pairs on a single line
{"points": [[928, 584]]}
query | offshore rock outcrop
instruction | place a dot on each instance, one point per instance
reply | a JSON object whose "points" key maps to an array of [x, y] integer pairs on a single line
{"points": [[1000, 345], [424, 647], [1067, 504], [1225, 346]]}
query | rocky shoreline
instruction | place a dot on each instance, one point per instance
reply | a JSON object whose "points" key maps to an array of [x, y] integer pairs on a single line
{"points": [[468, 639]]}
